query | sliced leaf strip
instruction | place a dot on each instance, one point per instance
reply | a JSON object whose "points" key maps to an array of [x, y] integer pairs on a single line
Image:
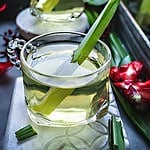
{"points": [[25, 132]]}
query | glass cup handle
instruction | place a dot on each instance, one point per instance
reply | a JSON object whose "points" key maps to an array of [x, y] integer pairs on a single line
{"points": [[14, 48]]}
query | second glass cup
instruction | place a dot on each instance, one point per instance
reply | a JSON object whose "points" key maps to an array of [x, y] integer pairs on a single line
{"points": [[57, 10]]}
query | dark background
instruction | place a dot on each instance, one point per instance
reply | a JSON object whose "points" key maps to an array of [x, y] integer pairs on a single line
{"points": [[7, 21]]}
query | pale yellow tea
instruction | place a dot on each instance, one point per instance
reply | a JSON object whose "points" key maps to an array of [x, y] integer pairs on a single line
{"points": [[61, 93]]}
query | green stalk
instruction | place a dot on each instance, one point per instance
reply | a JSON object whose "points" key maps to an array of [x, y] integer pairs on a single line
{"points": [[140, 120], [145, 7], [47, 5], [26, 136], [116, 138], [143, 15], [95, 32], [116, 59], [120, 54], [55, 96], [52, 99], [91, 15], [25, 132], [118, 44]]}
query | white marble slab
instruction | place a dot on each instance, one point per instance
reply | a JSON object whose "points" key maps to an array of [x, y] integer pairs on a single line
{"points": [[93, 136]]}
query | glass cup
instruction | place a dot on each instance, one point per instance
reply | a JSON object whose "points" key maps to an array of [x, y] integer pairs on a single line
{"points": [[57, 10], [61, 93]]}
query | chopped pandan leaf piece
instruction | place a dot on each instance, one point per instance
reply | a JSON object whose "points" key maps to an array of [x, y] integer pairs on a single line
{"points": [[25, 132]]}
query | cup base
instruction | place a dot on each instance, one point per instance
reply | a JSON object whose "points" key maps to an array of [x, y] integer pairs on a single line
{"points": [[39, 120]]}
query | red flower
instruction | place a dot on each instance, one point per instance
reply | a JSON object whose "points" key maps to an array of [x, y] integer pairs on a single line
{"points": [[126, 78], [4, 66], [3, 7], [125, 72]]}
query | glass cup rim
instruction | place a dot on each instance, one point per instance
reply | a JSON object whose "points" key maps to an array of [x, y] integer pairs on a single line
{"points": [[101, 68]]}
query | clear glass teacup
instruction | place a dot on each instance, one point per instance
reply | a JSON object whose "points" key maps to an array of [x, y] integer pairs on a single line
{"points": [[58, 92], [57, 10]]}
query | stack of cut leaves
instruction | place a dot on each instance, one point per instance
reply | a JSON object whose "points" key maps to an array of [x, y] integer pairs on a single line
{"points": [[131, 89], [25, 132]]}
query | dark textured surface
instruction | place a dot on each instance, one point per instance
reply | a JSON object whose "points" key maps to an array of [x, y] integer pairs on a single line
{"points": [[6, 88], [139, 46], [7, 20], [132, 36]]}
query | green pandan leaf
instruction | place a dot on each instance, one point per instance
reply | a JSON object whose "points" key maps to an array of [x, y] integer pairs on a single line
{"points": [[116, 138], [125, 60], [120, 54], [47, 5], [52, 99], [114, 39], [96, 2], [55, 96], [95, 32], [116, 59], [91, 15]]}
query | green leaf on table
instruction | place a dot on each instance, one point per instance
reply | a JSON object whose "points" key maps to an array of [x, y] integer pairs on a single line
{"points": [[91, 15], [140, 120], [116, 137], [120, 54]]}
